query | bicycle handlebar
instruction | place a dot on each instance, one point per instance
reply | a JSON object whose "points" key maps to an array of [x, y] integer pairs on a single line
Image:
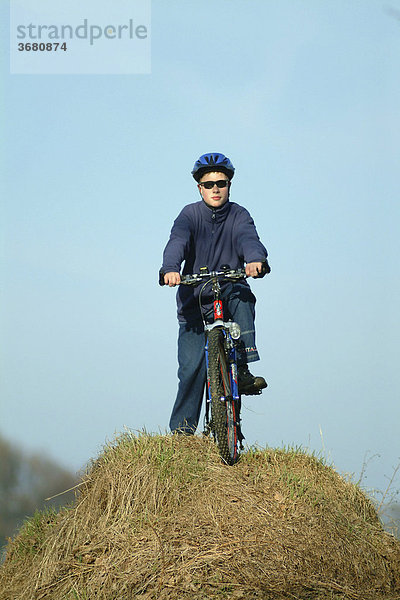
{"points": [[225, 273], [197, 278]]}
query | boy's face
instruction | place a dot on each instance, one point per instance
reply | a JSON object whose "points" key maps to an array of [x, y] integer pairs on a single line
{"points": [[215, 197]]}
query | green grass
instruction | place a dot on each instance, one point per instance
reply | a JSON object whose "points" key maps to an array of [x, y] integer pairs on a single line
{"points": [[33, 532]]}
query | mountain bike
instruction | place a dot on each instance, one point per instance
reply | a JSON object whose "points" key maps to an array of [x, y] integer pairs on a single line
{"points": [[223, 399]]}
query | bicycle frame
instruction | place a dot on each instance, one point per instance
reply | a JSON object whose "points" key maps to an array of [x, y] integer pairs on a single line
{"points": [[231, 333], [222, 386]]}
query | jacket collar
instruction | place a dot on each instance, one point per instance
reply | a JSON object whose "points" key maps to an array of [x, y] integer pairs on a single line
{"points": [[214, 215]]}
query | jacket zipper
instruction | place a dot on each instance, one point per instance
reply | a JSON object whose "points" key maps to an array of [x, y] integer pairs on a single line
{"points": [[214, 215]]}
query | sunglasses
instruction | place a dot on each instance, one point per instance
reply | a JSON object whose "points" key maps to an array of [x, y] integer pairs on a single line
{"points": [[221, 183]]}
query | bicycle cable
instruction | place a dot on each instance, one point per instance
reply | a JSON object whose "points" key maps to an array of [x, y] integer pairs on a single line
{"points": [[226, 277], [200, 305]]}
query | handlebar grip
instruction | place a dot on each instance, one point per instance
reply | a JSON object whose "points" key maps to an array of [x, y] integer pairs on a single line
{"points": [[161, 278], [265, 269]]}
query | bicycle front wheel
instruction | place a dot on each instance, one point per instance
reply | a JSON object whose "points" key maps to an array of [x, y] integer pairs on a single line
{"points": [[224, 420]]}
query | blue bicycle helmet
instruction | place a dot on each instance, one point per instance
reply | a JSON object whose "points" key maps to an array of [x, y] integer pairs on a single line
{"points": [[214, 161]]}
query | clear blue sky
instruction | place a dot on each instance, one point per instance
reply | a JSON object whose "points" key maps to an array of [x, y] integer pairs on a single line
{"points": [[304, 97]]}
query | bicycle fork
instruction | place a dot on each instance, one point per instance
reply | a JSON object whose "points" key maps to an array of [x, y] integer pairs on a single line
{"points": [[231, 332]]}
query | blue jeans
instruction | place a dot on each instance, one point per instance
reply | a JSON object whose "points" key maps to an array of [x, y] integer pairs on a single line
{"points": [[239, 306]]}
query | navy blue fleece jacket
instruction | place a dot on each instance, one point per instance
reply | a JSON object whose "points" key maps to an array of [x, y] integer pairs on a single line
{"points": [[203, 236]]}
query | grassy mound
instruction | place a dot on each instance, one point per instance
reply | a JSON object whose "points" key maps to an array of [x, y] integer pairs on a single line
{"points": [[162, 517]]}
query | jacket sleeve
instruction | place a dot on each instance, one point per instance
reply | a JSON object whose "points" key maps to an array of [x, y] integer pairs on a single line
{"points": [[248, 242], [178, 244]]}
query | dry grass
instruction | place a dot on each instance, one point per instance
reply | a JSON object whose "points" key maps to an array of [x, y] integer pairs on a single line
{"points": [[161, 517]]}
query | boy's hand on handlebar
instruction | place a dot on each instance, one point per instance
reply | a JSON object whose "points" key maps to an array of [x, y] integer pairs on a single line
{"points": [[254, 269], [172, 279]]}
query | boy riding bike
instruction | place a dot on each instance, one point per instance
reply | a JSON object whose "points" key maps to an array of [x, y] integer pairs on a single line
{"points": [[212, 232]]}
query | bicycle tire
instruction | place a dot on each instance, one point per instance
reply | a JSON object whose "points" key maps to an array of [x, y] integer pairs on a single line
{"points": [[224, 418]]}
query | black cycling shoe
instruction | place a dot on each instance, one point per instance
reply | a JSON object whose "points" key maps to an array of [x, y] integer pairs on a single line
{"points": [[250, 385]]}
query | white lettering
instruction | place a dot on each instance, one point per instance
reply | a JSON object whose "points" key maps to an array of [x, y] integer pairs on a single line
{"points": [[108, 31], [84, 27], [40, 27], [120, 28], [53, 32], [94, 28], [69, 28], [141, 29], [21, 30]]}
